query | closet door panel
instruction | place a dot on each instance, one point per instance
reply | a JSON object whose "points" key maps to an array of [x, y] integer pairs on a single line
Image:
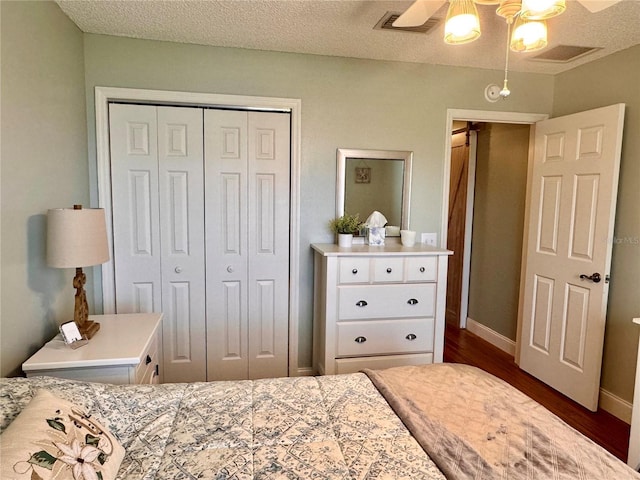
{"points": [[134, 172], [181, 201], [226, 243], [268, 267]]}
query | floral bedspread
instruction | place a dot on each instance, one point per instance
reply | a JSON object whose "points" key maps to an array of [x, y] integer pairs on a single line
{"points": [[332, 427]]}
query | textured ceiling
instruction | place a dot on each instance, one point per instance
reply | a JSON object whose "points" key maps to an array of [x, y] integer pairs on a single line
{"points": [[345, 28]]}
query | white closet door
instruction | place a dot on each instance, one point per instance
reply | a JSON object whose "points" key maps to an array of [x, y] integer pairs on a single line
{"points": [[226, 226], [134, 179], [247, 165], [268, 274], [181, 194], [157, 189]]}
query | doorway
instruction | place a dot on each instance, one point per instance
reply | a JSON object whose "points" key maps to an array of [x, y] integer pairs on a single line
{"points": [[486, 210]]}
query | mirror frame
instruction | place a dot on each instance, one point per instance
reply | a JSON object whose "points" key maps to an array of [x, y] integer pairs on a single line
{"points": [[406, 157]]}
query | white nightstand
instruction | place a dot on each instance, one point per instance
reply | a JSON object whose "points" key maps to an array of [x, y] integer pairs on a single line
{"points": [[127, 349]]}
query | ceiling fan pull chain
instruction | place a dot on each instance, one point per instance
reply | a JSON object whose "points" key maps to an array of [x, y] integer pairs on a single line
{"points": [[505, 92]]}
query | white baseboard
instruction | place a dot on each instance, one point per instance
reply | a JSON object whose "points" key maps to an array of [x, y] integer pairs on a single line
{"points": [[609, 402], [616, 406], [494, 338]]}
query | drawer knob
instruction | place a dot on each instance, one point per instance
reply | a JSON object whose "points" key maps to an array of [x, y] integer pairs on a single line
{"points": [[389, 270], [361, 303], [354, 271], [230, 269], [360, 339], [178, 269], [411, 336], [147, 360], [422, 269], [412, 301]]}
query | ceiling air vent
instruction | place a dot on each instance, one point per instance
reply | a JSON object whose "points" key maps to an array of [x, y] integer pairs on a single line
{"points": [[386, 23], [563, 53]]}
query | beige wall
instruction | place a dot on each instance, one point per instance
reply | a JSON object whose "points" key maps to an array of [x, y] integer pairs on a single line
{"points": [[346, 103], [616, 79], [44, 165], [498, 223]]}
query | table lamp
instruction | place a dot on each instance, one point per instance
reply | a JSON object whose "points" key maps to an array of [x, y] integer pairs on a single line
{"points": [[77, 238]]}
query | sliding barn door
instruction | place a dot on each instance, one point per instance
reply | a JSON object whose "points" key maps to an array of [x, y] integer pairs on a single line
{"points": [[158, 211], [247, 221]]}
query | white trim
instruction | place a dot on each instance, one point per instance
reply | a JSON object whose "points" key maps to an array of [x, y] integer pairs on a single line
{"points": [[494, 338], [472, 116], [616, 406], [468, 228], [609, 402], [103, 95]]}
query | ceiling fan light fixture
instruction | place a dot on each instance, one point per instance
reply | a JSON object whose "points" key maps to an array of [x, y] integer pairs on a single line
{"points": [[528, 35], [462, 24], [542, 9]]}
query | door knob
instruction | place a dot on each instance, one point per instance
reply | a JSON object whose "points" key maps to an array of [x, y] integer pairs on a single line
{"points": [[178, 269], [595, 278], [230, 269]]}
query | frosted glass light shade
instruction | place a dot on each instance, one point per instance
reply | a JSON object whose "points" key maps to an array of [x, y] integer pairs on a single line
{"points": [[541, 9], [76, 238], [462, 24], [528, 35]]}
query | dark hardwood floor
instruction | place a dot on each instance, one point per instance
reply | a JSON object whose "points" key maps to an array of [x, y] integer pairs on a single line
{"points": [[461, 346]]}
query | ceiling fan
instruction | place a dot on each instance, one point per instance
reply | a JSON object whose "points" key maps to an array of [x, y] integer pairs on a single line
{"points": [[421, 10], [528, 18]]}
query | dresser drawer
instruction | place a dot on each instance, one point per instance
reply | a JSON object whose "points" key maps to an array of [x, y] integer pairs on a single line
{"points": [[379, 337], [354, 270], [146, 368], [386, 301], [422, 269], [388, 269], [353, 365]]}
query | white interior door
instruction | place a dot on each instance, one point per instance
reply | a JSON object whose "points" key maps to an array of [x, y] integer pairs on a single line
{"points": [[181, 202], [134, 175], [268, 273], [157, 191], [247, 223], [569, 238]]}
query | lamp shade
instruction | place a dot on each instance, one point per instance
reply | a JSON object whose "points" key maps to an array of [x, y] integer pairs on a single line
{"points": [[529, 35], [462, 24], [76, 237]]}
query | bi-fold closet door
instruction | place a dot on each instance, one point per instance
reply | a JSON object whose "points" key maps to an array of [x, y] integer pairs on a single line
{"points": [[201, 232]]}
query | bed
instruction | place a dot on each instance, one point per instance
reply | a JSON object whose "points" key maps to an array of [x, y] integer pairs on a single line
{"points": [[331, 427]]}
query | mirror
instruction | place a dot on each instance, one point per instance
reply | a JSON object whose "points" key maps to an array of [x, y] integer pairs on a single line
{"points": [[369, 180]]}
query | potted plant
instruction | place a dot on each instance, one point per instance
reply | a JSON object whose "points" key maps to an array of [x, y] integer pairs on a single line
{"points": [[345, 226]]}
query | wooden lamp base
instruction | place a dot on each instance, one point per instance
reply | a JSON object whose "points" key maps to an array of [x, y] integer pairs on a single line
{"points": [[88, 328]]}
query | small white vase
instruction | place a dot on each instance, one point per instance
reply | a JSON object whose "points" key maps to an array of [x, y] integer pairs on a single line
{"points": [[345, 240]]}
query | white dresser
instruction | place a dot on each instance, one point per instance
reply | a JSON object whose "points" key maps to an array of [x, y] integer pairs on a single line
{"points": [[126, 349], [378, 306]]}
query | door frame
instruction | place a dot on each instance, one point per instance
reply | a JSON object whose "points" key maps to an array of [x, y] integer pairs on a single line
{"points": [[484, 116], [104, 95]]}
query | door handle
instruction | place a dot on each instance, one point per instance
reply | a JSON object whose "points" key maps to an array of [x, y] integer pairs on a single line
{"points": [[595, 278]]}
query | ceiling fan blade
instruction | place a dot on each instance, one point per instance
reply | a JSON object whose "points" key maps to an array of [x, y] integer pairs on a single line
{"points": [[419, 12], [596, 5]]}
